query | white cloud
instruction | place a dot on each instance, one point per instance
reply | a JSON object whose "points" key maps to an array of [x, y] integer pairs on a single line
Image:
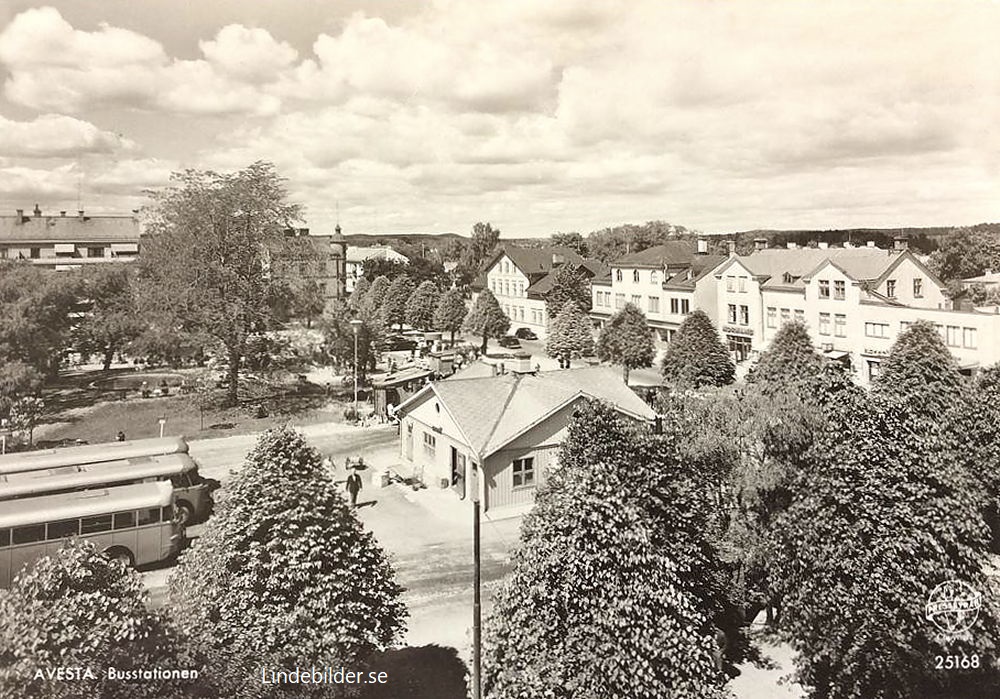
{"points": [[251, 55], [54, 135]]}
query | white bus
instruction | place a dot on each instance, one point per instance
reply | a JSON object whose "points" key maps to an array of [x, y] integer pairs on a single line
{"points": [[90, 454], [192, 493], [133, 523]]}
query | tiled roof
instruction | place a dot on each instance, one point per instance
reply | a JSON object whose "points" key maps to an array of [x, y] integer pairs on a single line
{"points": [[858, 263], [536, 261], [700, 266], [591, 268], [669, 254], [382, 252], [491, 411], [69, 229]]}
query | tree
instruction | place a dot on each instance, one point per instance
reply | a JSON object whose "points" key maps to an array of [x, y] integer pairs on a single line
{"points": [[287, 576], [24, 414], [361, 287], [421, 305], [626, 339], [375, 298], [569, 283], [570, 335], [787, 361], [394, 305], [485, 239], [965, 253], [375, 267], [77, 608], [486, 318], [696, 356], [450, 313], [309, 301], [205, 267], [883, 515], [571, 240], [35, 310], [606, 599], [17, 380], [110, 321]]}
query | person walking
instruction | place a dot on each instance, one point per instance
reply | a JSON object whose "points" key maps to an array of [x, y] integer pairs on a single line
{"points": [[354, 486], [121, 436]]}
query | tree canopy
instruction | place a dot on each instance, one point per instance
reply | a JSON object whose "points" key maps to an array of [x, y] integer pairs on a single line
{"points": [[788, 360], [569, 283], [34, 316], [450, 312], [111, 320], [485, 239], [422, 304], [486, 318], [696, 356], [570, 335], [626, 339]]}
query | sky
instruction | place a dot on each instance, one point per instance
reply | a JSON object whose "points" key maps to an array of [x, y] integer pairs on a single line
{"points": [[401, 116]]}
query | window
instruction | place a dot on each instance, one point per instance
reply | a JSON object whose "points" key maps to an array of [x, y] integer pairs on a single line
{"points": [[148, 516], [34, 253], [654, 304], [493, 285], [685, 306], [730, 283], [618, 275], [430, 445], [890, 288], [3, 253], [26, 535], [125, 520], [654, 277], [786, 315], [675, 306], [744, 315], [732, 313], [4, 538], [167, 513], [636, 300], [93, 525], [524, 472], [800, 316], [824, 289], [520, 313], [954, 336], [904, 325], [876, 330], [840, 325], [824, 323], [772, 317], [969, 338], [635, 276], [506, 288], [743, 284], [839, 290], [63, 529]]}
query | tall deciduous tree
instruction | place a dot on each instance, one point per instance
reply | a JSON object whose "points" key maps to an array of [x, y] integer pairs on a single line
{"points": [[35, 312], [571, 240], [789, 360], [213, 263], [374, 300], [361, 287], [485, 239], [77, 608], [450, 313], [421, 305], [309, 300], [486, 318], [696, 356], [570, 283], [287, 576], [570, 336], [626, 339], [394, 304], [110, 320]]}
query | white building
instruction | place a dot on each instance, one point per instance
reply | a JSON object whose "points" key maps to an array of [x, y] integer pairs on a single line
{"points": [[63, 242], [356, 257]]}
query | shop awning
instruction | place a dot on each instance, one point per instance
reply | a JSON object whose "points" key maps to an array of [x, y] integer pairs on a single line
{"points": [[835, 354], [124, 247], [64, 248], [971, 364]]}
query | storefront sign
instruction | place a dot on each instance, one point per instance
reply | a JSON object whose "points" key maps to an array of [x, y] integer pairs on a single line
{"points": [[876, 352], [734, 330]]}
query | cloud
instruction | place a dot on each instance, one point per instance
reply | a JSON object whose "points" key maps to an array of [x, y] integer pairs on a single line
{"points": [[249, 55], [54, 135]]}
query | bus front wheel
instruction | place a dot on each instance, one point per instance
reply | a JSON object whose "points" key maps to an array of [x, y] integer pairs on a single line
{"points": [[122, 555], [184, 512]]}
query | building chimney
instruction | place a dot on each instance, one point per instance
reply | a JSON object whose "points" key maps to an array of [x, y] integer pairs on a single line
{"points": [[79, 213], [759, 244], [62, 213], [870, 244], [791, 246], [702, 246], [20, 215], [731, 246], [557, 259], [900, 242], [38, 211], [823, 245]]}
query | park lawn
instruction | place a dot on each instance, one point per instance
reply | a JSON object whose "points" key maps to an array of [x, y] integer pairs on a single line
{"points": [[139, 418]]}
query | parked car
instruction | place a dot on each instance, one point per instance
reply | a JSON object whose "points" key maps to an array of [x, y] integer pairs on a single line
{"points": [[398, 343], [525, 334], [510, 342]]}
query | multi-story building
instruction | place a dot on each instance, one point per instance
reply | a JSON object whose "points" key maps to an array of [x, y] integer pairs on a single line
{"points": [[356, 257], [321, 261], [63, 242], [520, 278], [665, 282]]}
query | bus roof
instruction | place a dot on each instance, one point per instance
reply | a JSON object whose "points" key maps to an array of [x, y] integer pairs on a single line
{"points": [[85, 503], [14, 485], [90, 453]]}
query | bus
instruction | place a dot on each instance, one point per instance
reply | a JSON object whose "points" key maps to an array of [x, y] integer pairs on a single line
{"points": [[90, 454], [192, 493], [135, 524]]}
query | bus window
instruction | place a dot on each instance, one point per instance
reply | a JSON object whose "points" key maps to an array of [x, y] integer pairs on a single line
{"points": [[26, 535], [149, 516], [60, 530], [93, 525], [181, 480], [168, 513], [4, 538], [125, 520]]}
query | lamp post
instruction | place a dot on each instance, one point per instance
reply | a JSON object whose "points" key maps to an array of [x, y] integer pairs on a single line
{"points": [[477, 612], [355, 325]]}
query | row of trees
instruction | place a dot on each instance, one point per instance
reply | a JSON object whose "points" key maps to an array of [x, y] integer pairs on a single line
{"points": [[285, 577]]}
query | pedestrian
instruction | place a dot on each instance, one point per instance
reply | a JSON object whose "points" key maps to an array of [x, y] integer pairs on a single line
{"points": [[354, 486], [121, 436]]}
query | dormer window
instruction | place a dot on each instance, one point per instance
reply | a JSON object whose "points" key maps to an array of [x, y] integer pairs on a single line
{"points": [[789, 279], [635, 276], [618, 275], [654, 277]]}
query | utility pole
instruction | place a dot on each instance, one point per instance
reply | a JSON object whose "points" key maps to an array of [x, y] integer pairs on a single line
{"points": [[355, 324], [477, 612]]}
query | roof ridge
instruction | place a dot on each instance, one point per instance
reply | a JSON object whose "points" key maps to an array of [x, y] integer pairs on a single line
{"points": [[503, 410]]}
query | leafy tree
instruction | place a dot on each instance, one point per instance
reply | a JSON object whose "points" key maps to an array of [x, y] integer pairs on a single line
{"points": [[788, 360], [309, 301], [611, 243], [965, 253], [626, 339], [17, 380], [78, 608], [110, 321], [570, 283], [571, 240], [606, 599], [286, 576], [394, 305], [338, 334], [214, 235], [421, 305], [375, 298], [570, 335], [884, 514], [24, 414], [35, 310], [375, 267], [696, 356], [450, 313], [921, 371], [485, 239], [361, 287], [486, 318]]}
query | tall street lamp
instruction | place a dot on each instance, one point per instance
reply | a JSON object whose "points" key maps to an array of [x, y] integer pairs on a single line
{"points": [[355, 325], [477, 613]]}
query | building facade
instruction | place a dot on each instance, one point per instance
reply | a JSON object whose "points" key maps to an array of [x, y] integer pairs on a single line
{"points": [[64, 242], [356, 257]]}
